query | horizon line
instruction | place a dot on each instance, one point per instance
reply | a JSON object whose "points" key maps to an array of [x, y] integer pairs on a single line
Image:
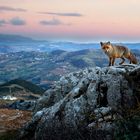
{"points": [[71, 40]]}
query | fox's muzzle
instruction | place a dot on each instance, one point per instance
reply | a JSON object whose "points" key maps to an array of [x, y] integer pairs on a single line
{"points": [[106, 50]]}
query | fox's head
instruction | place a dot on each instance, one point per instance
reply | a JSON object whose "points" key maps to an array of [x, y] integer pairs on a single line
{"points": [[106, 46]]}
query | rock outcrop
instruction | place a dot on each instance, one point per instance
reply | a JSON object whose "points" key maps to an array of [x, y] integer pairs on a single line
{"points": [[23, 105], [85, 104]]}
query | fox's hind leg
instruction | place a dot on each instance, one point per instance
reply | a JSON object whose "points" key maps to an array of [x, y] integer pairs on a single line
{"points": [[122, 61]]}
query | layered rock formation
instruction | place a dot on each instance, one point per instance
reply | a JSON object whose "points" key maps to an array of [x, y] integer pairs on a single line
{"points": [[85, 104]]}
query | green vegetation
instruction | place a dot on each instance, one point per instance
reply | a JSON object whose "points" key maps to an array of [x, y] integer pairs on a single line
{"points": [[128, 128], [9, 135], [25, 84], [5, 103]]}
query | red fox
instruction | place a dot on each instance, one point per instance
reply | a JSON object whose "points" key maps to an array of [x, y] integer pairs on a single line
{"points": [[116, 51]]}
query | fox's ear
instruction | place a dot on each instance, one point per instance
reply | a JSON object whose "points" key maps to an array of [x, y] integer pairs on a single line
{"points": [[108, 42], [101, 43]]}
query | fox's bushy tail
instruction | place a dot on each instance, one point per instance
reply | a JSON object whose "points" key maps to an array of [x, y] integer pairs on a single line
{"points": [[133, 58]]}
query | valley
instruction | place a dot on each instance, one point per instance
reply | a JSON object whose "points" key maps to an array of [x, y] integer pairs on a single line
{"points": [[43, 68]]}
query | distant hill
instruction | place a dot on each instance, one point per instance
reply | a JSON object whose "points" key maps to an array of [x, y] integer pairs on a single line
{"points": [[17, 43], [14, 38], [17, 85], [132, 45], [57, 52]]}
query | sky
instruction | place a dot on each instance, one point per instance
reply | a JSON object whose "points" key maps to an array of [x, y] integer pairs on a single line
{"points": [[72, 20]]}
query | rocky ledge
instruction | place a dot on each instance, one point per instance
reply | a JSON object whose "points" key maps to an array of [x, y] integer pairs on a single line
{"points": [[88, 104]]}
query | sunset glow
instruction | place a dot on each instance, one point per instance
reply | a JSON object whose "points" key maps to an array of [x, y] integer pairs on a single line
{"points": [[74, 20]]}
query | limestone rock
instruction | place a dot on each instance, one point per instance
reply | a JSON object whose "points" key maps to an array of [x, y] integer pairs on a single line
{"points": [[23, 105], [84, 101]]}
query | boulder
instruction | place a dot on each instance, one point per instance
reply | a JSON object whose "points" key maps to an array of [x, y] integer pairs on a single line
{"points": [[23, 105], [85, 104]]}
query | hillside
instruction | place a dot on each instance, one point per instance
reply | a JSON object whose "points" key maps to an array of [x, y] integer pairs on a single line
{"points": [[19, 91], [17, 101], [44, 68], [21, 84]]}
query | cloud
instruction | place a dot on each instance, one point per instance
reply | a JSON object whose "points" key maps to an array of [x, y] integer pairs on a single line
{"points": [[63, 14], [7, 8], [17, 21], [53, 22], [2, 22]]}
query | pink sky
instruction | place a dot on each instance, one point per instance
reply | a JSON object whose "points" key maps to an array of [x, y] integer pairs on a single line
{"points": [[74, 20]]}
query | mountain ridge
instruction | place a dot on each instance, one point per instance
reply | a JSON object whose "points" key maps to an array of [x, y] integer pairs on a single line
{"points": [[17, 43], [13, 38]]}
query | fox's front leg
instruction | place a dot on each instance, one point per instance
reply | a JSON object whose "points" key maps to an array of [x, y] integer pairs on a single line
{"points": [[113, 60], [110, 61]]}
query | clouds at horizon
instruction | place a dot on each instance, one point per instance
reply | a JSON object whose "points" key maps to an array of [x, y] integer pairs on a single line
{"points": [[17, 21], [2, 22], [53, 22], [118, 20], [8, 8], [63, 14]]}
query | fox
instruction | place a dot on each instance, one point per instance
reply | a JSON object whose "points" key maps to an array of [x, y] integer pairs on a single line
{"points": [[117, 51]]}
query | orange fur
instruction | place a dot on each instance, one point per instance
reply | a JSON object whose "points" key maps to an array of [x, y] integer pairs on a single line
{"points": [[116, 51]]}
